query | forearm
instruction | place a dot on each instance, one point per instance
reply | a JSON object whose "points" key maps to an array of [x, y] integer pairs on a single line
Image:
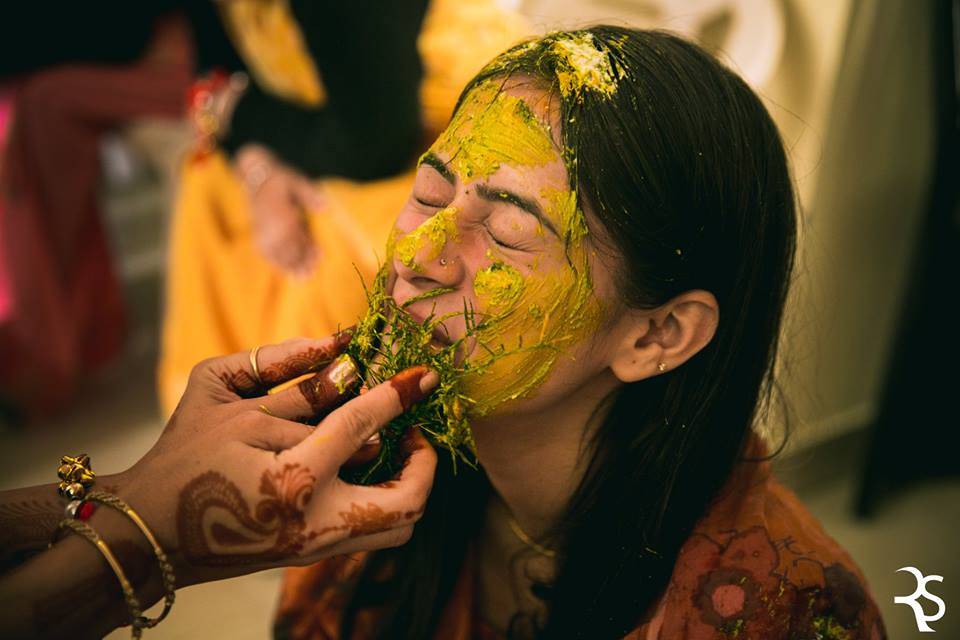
{"points": [[28, 518], [70, 591]]}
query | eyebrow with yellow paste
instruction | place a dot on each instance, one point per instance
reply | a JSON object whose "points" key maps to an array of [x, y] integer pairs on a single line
{"points": [[432, 160], [494, 194]]}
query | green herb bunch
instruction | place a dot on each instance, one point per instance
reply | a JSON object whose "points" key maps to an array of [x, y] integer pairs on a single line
{"points": [[388, 340]]}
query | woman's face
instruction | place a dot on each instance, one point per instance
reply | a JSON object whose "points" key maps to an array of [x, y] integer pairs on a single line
{"points": [[493, 218]]}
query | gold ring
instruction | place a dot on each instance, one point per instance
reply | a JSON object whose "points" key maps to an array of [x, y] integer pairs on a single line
{"points": [[254, 366]]}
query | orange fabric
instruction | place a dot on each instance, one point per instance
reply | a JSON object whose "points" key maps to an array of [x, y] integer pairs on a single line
{"points": [[758, 565]]}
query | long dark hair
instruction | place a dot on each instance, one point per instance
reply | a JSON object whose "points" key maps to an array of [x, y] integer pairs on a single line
{"points": [[685, 171]]}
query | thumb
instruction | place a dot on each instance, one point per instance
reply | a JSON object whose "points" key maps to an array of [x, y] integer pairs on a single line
{"points": [[347, 429]]}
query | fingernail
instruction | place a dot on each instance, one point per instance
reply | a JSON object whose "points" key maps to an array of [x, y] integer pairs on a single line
{"points": [[342, 372], [414, 384], [331, 387], [429, 381]]}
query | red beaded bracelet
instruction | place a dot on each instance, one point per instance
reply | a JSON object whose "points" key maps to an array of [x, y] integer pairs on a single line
{"points": [[79, 510]]}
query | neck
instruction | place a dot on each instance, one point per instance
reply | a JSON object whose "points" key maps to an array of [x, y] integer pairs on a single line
{"points": [[535, 461]]}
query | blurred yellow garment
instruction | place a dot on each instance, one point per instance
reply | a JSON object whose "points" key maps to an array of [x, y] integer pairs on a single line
{"points": [[222, 296], [270, 42]]}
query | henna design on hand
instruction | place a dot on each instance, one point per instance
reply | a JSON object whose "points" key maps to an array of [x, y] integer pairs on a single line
{"points": [[216, 526], [320, 394], [241, 382], [304, 362], [372, 518]]}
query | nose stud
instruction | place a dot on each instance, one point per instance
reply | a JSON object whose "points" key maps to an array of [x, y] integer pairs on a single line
{"points": [[443, 262]]}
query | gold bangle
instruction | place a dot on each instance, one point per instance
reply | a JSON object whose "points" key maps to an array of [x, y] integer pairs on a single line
{"points": [[133, 605], [254, 366], [166, 569]]}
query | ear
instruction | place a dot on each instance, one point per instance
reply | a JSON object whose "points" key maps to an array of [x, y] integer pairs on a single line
{"points": [[670, 334]]}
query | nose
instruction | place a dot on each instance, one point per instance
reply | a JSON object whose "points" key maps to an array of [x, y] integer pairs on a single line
{"points": [[429, 257]]}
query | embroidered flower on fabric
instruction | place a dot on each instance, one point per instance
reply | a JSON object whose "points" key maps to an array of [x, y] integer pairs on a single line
{"points": [[749, 586], [727, 595]]}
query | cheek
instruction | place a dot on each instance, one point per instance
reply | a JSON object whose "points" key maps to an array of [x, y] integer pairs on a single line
{"points": [[543, 328]]}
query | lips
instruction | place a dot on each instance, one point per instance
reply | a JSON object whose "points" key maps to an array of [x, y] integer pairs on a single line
{"points": [[440, 334]]}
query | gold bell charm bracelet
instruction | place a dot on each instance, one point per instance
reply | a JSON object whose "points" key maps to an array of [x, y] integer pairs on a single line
{"points": [[76, 476], [76, 479]]}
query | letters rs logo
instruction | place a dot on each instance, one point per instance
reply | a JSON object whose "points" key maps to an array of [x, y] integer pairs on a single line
{"points": [[921, 592]]}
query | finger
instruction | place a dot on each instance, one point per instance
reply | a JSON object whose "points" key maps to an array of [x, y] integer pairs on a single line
{"points": [[310, 197], [269, 433], [395, 537], [289, 255], [367, 453], [347, 429], [304, 261], [309, 262], [408, 492], [279, 257], [276, 363], [310, 397]]}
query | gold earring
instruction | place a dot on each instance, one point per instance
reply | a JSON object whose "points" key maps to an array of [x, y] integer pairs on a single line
{"points": [[661, 367]]}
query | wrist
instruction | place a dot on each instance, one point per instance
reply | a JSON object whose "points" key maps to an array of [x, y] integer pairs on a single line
{"points": [[133, 552], [71, 590]]}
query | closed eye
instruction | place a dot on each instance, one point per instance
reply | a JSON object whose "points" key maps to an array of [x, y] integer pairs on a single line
{"points": [[427, 203], [526, 205], [498, 241]]}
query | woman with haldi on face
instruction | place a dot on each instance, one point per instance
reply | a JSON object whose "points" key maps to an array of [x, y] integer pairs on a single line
{"points": [[581, 310], [603, 239]]}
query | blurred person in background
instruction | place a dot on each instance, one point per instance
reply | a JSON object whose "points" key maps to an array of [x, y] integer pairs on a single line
{"points": [[297, 175], [61, 305]]}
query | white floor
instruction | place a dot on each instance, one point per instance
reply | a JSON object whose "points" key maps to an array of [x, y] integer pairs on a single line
{"points": [[117, 422]]}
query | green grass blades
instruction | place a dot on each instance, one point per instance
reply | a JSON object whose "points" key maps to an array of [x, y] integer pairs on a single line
{"points": [[388, 340]]}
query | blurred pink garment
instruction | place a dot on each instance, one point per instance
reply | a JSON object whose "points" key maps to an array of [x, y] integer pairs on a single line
{"points": [[6, 113], [63, 312]]}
